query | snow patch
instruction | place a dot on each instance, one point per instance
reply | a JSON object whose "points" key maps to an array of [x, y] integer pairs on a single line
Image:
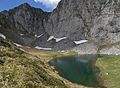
{"points": [[35, 35], [80, 42], [37, 47], [50, 38], [22, 49], [59, 39], [56, 39], [21, 34], [38, 36], [62, 51], [18, 45], [3, 36]]}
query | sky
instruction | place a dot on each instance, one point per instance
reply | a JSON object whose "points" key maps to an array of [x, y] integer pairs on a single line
{"points": [[46, 5]]}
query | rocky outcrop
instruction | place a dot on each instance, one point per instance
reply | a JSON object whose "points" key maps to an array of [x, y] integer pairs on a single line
{"points": [[115, 50], [26, 22], [110, 49], [106, 28], [96, 20], [26, 25], [64, 45], [7, 29], [86, 48]]}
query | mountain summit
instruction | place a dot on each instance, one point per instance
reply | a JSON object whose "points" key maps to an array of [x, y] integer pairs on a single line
{"points": [[71, 22]]}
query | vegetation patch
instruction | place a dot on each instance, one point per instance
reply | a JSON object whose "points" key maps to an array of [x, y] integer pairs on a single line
{"points": [[21, 70], [110, 70]]}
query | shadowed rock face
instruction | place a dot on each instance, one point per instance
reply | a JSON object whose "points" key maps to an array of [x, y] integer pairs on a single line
{"points": [[26, 21], [96, 20], [26, 25]]}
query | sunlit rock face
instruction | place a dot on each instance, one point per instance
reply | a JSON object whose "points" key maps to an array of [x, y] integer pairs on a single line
{"points": [[106, 28], [93, 20], [73, 18], [86, 19]]}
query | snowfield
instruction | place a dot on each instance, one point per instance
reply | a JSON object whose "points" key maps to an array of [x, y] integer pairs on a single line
{"points": [[37, 47], [56, 39], [3, 36], [80, 42]]}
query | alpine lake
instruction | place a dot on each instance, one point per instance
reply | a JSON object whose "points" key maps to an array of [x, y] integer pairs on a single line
{"points": [[79, 69]]}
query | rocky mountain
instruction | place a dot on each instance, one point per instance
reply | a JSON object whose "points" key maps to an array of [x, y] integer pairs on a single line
{"points": [[97, 21], [26, 22], [25, 25]]}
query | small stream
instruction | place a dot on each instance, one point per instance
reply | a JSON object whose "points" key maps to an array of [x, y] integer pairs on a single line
{"points": [[77, 69]]}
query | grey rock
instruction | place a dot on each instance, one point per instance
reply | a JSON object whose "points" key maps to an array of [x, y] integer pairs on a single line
{"points": [[65, 44], [112, 50], [86, 48], [106, 29], [86, 19], [42, 42], [73, 19], [95, 20], [8, 29], [23, 24]]}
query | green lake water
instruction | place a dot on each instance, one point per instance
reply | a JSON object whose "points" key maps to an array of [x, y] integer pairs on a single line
{"points": [[77, 69]]}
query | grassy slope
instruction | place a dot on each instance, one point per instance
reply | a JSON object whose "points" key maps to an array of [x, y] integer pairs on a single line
{"points": [[48, 55], [29, 69], [110, 70], [21, 70]]}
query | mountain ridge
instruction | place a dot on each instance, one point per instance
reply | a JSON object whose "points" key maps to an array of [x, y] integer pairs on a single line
{"points": [[76, 20]]}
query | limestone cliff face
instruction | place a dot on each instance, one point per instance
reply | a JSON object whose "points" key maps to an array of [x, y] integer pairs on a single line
{"points": [[94, 20], [106, 26], [73, 18]]}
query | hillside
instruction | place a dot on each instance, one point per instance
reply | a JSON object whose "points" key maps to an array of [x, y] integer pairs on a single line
{"points": [[21, 70], [29, 69]]}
